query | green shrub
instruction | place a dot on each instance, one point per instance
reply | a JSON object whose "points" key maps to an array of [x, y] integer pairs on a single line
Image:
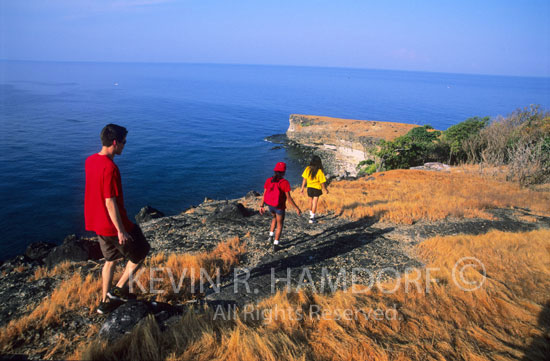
{"points": [[457, 136], [418, 146], [366, 167]]}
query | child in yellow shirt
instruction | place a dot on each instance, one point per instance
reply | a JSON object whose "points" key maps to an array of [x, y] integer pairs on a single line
{"points": [[315, 179]]}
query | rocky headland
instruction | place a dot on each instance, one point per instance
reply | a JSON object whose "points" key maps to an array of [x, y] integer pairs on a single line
{"points": [[341, 143]]}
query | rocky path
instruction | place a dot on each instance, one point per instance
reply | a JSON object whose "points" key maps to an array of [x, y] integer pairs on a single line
{"points": [[330, 254]]}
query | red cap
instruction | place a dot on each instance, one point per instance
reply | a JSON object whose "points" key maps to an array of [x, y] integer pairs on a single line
{"points": [[280, 167]]}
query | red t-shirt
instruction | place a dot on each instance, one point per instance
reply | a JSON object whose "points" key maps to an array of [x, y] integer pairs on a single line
{"points": [[102, 182], [284, 186]]}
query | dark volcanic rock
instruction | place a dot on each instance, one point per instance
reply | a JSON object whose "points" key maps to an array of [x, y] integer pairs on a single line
{"points": [[38, 250], [75, 250], [123, 319], [148, 213], [229, 211], [252, 194], [93, 248], [17, 292], [277, 139]]}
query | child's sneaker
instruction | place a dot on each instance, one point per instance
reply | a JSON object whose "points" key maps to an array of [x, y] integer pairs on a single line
{"points": [[312, 220], [270, 240], [107, 307], [119, 294]]}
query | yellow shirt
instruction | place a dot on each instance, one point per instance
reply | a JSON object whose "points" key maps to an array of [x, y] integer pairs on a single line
{"points": [[314, 182]]}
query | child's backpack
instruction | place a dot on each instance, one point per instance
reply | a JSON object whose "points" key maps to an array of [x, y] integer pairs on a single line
{"points": [[273, 194]]}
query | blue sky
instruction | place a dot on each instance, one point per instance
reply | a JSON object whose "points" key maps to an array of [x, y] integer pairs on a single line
{"points": [[462, 36]]}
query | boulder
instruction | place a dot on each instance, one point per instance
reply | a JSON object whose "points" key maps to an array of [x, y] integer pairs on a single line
{"points": [[38, 250], [92, 247], [434, 166], [251, 195], [73, 249], [148, 213], [123, 319], [228, 212]]}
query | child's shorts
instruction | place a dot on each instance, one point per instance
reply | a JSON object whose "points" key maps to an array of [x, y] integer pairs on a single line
{"points": [[275, 210], [314, 192]]}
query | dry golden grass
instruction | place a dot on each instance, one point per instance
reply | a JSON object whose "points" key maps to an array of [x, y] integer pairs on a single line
{"points": [[78, 292], [506, 319], [63, 268], [72, 294], [407, 196], [360, 128], [181, 269]]}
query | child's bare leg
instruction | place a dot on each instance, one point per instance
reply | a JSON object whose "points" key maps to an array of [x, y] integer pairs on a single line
{"points": [[280, 222], [273, 223], [314, 206]]}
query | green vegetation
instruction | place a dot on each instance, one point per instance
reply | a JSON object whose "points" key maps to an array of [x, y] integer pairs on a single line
{"points": [[366, 167], [521, 141], [418, 146], [304, 122], [455, 136]]}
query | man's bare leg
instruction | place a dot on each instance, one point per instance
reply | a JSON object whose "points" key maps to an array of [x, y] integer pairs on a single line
{"points": [[130, 269], [107, 277]]}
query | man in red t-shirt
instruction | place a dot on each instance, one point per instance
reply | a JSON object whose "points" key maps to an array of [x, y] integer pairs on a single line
{"points": [[105, 215]]}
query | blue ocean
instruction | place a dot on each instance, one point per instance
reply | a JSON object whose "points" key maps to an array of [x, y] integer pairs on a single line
{"points": [[196, 130]]}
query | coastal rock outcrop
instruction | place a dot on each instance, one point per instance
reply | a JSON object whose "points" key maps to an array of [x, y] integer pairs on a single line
{"points": [[74, 249], [341, 143], [148, 213], [38, 250], [229, 211]]}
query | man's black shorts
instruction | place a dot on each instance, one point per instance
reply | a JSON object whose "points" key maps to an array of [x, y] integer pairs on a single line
{"points": [[135, 250], [314, 192]]}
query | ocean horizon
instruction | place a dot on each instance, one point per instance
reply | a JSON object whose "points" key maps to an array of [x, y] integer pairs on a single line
{"points": [[197, 130]]}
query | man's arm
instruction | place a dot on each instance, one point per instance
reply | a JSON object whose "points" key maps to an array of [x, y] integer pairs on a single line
{"points": [[114, 214]]}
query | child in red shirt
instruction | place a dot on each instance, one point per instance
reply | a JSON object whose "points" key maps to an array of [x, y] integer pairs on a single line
{"points": [[276, 193]]}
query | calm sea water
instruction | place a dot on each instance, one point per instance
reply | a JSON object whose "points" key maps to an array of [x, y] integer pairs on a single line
{"points": [[195, 130]]}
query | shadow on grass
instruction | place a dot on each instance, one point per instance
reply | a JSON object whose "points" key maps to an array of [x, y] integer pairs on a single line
{"points": [[539, 349]]}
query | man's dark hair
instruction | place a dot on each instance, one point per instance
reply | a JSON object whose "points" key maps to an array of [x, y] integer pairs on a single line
{"points": [[112, 132]]}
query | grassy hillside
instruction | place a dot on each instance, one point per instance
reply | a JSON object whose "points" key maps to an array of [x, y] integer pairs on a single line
{"points": [[506, 319], [420, 316], [408, 196]]}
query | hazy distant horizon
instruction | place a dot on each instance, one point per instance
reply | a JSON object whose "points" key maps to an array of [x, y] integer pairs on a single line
{"points": [[273, 65]]}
